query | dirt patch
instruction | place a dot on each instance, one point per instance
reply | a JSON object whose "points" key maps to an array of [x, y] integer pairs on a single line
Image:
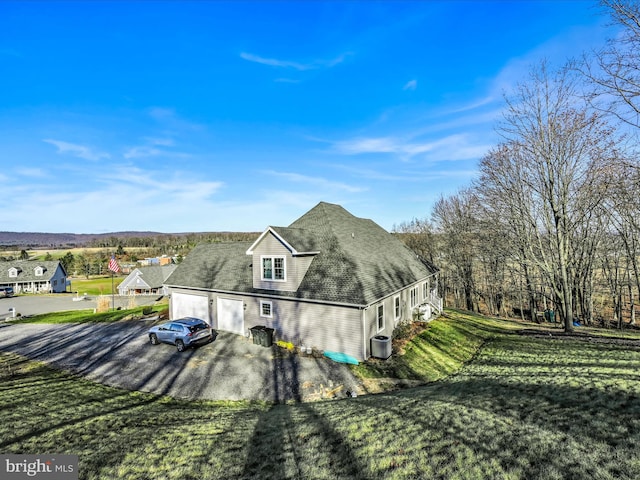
{"points": [[580, 337]]}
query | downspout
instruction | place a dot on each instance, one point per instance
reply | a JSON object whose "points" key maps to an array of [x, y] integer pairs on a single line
{"points": [[364, 335]]}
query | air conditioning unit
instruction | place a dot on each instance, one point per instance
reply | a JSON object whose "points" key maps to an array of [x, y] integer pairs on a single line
{"points": [[381, 347], [425, 311]]}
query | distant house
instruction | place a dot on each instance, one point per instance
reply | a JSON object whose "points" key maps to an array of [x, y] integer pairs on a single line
{"points": [[163, 260], [330, 280], [33, 276], [146, 280]]}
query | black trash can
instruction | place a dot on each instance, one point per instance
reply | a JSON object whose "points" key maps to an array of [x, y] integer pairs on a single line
{"points": [[267, 336], [257, 333]]}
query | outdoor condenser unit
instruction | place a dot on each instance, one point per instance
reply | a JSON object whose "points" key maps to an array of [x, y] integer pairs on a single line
{"points": [[381, 346]]}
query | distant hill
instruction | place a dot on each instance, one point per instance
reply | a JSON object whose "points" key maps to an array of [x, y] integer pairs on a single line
{"points": [[28, 240]]}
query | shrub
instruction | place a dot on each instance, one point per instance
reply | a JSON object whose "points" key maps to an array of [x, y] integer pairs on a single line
{"points": [[147, 310], [102, 304]]}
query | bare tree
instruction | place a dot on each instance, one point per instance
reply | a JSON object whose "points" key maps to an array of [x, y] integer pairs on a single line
{"points": [[564, 156], [506, 197], [614, 71], [454, 217]]}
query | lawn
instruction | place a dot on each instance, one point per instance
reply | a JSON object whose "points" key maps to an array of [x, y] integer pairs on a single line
{"points": [[88, 316], [506, 406], [96, 285]]}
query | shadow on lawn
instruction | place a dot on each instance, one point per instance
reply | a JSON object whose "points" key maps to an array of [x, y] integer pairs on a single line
{"points": [[535, 428], [83, 406], [279, 447]]}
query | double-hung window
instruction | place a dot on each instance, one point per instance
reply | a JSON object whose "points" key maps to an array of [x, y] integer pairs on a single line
{"points": [[396, 307], [266, 309], [380, 317], [273, 268], [414, 297]]}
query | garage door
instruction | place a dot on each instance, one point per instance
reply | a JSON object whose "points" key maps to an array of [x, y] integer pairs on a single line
{"points": [[231, 315], [187, 305]]}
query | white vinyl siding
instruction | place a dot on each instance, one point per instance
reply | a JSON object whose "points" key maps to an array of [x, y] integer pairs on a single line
{"points": [[340, 329]]}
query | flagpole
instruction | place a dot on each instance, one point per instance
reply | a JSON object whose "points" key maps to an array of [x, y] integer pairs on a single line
{"points": [[113, 298], [115, 268]]}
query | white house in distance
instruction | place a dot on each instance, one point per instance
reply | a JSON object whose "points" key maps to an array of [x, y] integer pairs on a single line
{"points": [[146, 280], [329, 280], [33, 276]]}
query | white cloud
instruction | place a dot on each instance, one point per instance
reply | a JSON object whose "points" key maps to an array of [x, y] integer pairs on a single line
{"points": [[136, 199], [451, 147], [273, 62], [76, 150], [411, 85], [32, 172], [140, 152], [320, 182], [161, 142]]}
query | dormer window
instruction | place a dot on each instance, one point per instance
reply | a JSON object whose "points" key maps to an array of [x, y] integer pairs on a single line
{"points": [[273, 268], [13, 272], [39, 271]]}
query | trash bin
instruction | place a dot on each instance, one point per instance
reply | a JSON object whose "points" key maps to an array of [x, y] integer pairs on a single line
{"points": [[267, 337], [550, 316], [257, 333]]}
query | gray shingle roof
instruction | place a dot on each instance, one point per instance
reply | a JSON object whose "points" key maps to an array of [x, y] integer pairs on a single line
{"points": [[156, 275], [359, 262], [26, 270], [215, 266]]}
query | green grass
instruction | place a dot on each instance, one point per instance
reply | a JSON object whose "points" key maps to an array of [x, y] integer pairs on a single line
{"points": [[441, 349], [96, 285], [87, 316], [519, 408]]}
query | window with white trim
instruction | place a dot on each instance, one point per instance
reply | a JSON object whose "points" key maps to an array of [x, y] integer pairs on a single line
{"points": [[414, 296], [396, 307], [273, 268], [39, 271], [266, 309], [13, 272], [380, 317]]}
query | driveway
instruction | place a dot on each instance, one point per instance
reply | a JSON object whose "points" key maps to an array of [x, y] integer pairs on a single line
{"points": [[229, 368]]}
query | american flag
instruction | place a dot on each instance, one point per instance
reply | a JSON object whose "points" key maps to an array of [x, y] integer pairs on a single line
{"points": [[113, 265]]}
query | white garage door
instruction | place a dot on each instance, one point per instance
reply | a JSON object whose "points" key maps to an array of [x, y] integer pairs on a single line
{"points": [[187, 305], [231, 315]]}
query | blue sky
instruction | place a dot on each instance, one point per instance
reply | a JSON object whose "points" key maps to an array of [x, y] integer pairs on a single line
{"points": [[211, 116]]}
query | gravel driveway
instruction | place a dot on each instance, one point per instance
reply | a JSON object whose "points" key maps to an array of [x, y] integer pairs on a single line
{"points": [[229, 368]]}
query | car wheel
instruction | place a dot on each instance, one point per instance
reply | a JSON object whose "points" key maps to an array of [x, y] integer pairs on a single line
{"points": [[180, 345], [153, 338]]}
